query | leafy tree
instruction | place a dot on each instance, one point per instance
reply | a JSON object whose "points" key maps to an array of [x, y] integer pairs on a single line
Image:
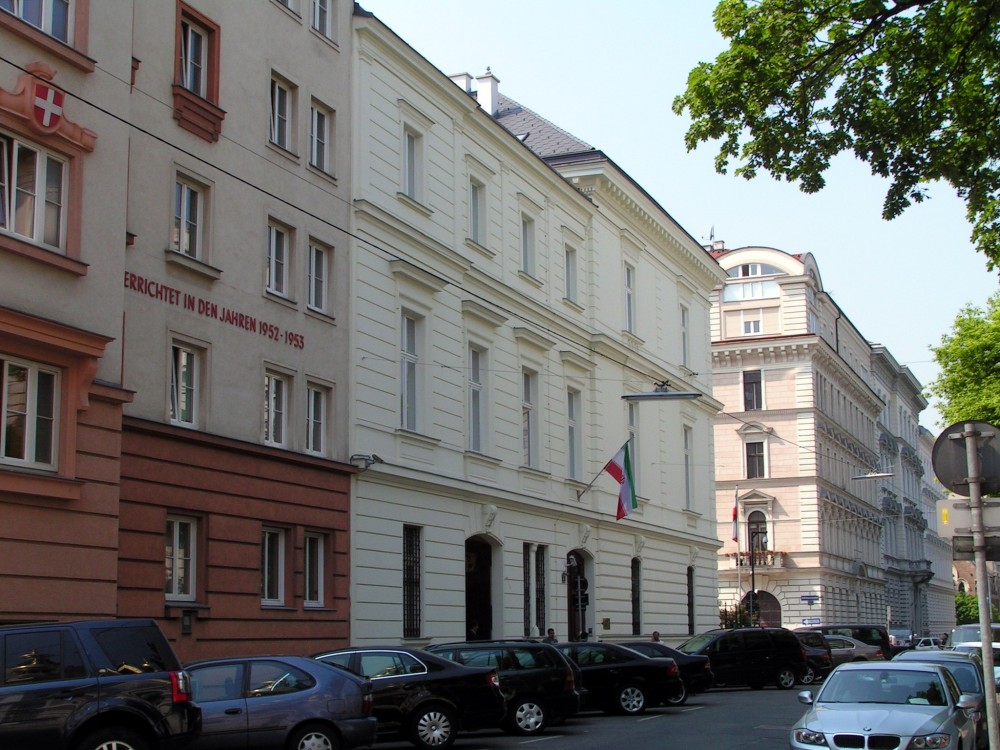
{"points": [[968, 385], [908, 86], [967, 609]]}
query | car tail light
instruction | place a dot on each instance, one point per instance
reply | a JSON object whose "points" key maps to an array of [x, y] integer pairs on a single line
{"points": [[180, 687], [366, 700], [569, 684], [878, 653], [672, 670]]}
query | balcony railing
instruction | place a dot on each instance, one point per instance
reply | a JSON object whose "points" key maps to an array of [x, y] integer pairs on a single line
{"points": [[765, 558]]}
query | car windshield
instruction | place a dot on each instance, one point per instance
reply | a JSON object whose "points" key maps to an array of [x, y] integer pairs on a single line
{"points": [[881, 686], [693, 645]]}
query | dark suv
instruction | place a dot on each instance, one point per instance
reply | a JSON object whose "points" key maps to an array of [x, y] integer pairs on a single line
{"points": [[537, 680], [91, 686], [751, 656]]}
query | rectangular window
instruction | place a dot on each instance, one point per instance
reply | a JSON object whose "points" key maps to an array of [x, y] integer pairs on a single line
{"points": [[194, 50], [51, 16], [688, 468], [196, 74], [570, 262], [319, 263], [526, 587], [636, 596], [574, 442], [632, 430], [320, 136], [180, 540], [409, 359], [477, 211], [272, 566], [28, 405], [685, 337], [411, 581], [321, 17], [313, 595], [32, 192], [753, 396], [751, 325], [187, 218], [527, 245], [275, 409], [477, 405], [755, 460], [281, 114], [412, 145], [316, 421], [529, 420], [185, 378], [541, 566], [277, 259], [629, 298]]}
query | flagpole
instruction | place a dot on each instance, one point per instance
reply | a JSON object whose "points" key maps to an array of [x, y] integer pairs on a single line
{"points": [[579, 493]]}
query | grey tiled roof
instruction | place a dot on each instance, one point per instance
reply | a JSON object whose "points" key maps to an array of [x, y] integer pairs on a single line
{"points": [[537, 133]]}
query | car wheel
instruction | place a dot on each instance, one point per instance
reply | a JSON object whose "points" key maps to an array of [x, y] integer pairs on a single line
{"points": [[114, 738], [433, 728], [785, 679], [681, 698], [526, 716], [631, 700], [313, 737], [809, 677]]}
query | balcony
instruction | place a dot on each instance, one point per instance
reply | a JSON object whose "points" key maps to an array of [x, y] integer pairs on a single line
{"points": [[762, 559]]}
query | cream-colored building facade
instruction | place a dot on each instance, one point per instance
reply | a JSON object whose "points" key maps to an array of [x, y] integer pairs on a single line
{"points": [[504, 303], [941, 589]]}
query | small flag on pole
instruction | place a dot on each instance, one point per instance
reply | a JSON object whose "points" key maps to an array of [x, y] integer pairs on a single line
{"points": [[620, 467], [736, 513]]}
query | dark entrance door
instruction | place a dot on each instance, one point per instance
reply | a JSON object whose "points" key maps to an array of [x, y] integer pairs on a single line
{"points": [[478, 605], [577, 596]]}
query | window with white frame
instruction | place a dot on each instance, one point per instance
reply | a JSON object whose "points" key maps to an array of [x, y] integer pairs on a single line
{"points": [[185, 381], [755, 459], [275, 409], [281, 113], [529, 417], [32, 192], [272, 566], [278, 252], [29, 406], [313, 589], [527, 244], [751, 323], [477, 403], [753, 390], [688, 439], [51, 16], [477, 211], [629, 293], [317, 398], [181, 542], [194, 60], [632, 430], [409, 359], [685, 336], [574, 439], [188, 217], [413, 147], [321, 17], [319, 271], [321, 121], [571, 272]]}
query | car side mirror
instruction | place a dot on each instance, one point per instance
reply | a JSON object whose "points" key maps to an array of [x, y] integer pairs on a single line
{"points": [[806, 697], [967, 701]]}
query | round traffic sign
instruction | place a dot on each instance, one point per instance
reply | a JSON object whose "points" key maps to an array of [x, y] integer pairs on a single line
{"points": [[951, 462]]}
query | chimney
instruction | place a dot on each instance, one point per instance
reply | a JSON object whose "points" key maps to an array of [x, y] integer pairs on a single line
{"points": [[488, 92], [718, 244], [463, 81]]}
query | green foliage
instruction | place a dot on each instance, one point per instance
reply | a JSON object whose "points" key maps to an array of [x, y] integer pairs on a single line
{"points": [[967, 610], [968, 385], [910, 87]]}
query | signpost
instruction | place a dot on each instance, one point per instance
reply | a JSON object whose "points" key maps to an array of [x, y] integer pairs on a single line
{"points": [[812, 620]]}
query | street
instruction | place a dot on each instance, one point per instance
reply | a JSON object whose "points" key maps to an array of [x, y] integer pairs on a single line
{"points": [[722, 719]]}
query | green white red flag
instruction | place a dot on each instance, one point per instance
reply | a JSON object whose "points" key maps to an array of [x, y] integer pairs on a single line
{"points": [[620, 467]]}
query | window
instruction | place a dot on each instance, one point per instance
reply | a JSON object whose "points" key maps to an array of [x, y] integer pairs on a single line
{"points": [[477, 211], [527, 245], [275, 409], [184, 385], [194, 48], [755, 460], [412, 163], [316, 420], [313, 573], [409, 359], [180, 540], [629, 298], [196, 75], [188, 211], [574, 441], [636, 596], [541, 567], [281, 114], [272, 566], [753, 269], [632, 429], [321, 121], [277, 259], [411, 581], [751, 326], [51, 16], [41, 656], [319, 269], [529, 419], [690, 598], [757, 531], [29, 401], [753, 396], [321, 21], [570, 262], [32, 192], [685, 337], [688, 439], [526, 587], [477, 405]]}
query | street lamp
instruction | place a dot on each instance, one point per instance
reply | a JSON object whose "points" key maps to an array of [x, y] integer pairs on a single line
{"points": [[662, 392], [753, 536]]}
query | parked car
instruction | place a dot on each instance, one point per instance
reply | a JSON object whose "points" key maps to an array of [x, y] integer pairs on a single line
{"points": [[976, 647], [423, 697], [281, 701], [695, 669], [873, 635], [93, 685], [619, 680], [537, 680], [819, 658], [927, 644], [967, 669], [844, 649], [751, 656], [887, 705], [970, 633]]}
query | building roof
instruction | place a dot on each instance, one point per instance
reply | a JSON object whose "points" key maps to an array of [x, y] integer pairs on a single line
{"points": [[537, 133]]}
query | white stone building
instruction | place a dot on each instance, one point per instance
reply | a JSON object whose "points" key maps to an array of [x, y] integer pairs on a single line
{"points": [[940, 592]]}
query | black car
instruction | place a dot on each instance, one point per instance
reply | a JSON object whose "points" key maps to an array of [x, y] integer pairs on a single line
{"points": [[281, 701], [620, 680], [536, 679], [819, 655], [751, 656], [421, 696], [93, 685], [696, 670]]}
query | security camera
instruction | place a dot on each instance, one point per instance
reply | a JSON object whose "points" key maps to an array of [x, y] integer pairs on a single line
{"points": [[377, 458]]}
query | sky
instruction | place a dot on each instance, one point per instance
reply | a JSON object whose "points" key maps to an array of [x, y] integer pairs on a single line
{"points": [[608, 73]]}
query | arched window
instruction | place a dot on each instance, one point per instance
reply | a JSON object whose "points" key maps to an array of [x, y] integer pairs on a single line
{"points": [[757, 531]]}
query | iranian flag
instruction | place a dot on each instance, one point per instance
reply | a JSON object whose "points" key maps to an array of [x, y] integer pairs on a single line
{"points": [[736, 514], [620, 467]]}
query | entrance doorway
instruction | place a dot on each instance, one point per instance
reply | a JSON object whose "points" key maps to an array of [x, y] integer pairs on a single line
{"points": [[478, 589], [577, 596]]}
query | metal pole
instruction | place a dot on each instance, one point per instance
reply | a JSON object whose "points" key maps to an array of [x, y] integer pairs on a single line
{"points": [[972, 435]]}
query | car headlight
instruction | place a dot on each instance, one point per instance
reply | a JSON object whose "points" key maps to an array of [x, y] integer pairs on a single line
{"points": [[930, 741], [809, 737]]}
